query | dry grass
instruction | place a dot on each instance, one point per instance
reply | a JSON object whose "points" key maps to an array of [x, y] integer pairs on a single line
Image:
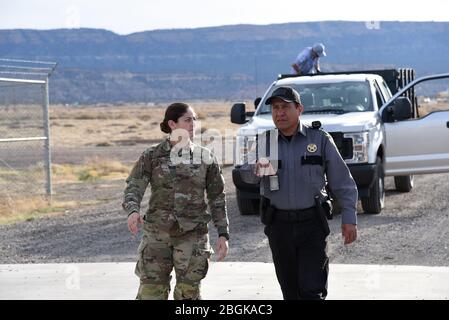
{"points": [[12, 180], [426, 108], [100, 126], [16, 208], [109, 125], [94, 168], [117, 125]]}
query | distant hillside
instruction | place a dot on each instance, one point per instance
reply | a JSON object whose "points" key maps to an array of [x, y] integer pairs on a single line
{"points": [[229, 62]]}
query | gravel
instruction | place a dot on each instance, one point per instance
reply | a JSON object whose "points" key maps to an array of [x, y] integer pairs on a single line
{"points": [[411, 230]]}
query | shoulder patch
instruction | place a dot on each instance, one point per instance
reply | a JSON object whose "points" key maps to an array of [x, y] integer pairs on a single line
{"points": [[327, 134]]}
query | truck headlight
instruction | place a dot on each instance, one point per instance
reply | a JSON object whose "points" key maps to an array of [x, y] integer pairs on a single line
{"points": [[360, 143], [245, 145]]}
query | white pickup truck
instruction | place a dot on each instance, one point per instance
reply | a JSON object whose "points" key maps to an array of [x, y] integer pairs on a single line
{"points": [[377, 134]]}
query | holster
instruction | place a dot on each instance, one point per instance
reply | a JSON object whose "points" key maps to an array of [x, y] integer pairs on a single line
{"points": [[266, 211], [328, 208], [322, 214]]}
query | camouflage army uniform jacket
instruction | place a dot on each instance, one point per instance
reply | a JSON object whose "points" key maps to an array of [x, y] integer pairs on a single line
{"points": [[178, 187]]}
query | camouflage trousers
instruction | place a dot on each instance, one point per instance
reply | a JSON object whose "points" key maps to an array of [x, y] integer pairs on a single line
{"points": [[161, 251]]}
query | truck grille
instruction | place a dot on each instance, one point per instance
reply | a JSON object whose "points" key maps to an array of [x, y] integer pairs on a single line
{"points": [[344, 145]]}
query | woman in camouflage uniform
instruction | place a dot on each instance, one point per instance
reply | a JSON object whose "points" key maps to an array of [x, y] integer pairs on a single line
{"points": [[175, 232]]}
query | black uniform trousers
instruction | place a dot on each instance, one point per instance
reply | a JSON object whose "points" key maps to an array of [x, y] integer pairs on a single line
{"points": [[299, 248]]}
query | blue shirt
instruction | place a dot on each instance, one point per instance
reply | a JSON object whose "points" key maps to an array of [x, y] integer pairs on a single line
{"points": [[305, 62], [299, 183]]}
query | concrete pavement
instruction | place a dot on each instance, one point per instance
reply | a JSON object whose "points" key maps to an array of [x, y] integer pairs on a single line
{"points": [[225, 281]]}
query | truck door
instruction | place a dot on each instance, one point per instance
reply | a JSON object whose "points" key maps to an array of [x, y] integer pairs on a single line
{"points": [[417, 145]]}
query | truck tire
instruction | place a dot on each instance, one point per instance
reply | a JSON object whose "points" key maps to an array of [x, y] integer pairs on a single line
{"points": [[404, 183], [247, 206], [376, 200]]}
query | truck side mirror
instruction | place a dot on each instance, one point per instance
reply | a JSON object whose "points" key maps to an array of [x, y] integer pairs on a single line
{"points": [[399, 109], [238, 113], [256, 102]]}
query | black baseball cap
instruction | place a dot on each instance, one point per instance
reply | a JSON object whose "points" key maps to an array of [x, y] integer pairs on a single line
{"points": [[288, 94]]}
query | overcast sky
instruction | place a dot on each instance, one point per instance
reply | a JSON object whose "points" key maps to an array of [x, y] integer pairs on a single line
{"points": [[130, 16]]}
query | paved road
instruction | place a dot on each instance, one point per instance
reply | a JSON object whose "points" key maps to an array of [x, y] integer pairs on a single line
{"points": [[225, 281]]}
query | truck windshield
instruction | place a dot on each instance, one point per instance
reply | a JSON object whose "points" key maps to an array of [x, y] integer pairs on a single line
{"points": [[339, 97]]}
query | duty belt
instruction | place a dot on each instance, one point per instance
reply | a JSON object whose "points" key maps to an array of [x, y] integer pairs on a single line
{"points": [[295, 215]]}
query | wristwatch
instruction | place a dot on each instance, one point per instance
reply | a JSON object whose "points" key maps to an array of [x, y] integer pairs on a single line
{"points": [[132, 213], [226, 235]]}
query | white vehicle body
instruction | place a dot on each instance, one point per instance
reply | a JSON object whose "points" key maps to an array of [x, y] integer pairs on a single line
{"points": [[380, 147]]}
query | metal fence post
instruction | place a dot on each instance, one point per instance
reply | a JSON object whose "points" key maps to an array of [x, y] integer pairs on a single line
{"points": [[47, 141]]}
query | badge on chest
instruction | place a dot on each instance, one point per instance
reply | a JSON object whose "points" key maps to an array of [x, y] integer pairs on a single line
{"points": [[311, 157]]}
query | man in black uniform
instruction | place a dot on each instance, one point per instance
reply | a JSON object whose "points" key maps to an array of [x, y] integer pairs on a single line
{"points": [[302, 162]]}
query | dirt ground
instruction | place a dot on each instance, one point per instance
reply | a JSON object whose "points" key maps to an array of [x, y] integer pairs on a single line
{"points": [[411, 230], [127, 125]]}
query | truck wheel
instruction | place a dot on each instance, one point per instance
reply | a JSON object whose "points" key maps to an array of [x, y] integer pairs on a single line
{"points": [[404, 183], [247, 206], [376, 200]]}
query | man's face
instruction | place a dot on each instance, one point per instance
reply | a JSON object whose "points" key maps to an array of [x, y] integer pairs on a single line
{"points": [[285, 114]]}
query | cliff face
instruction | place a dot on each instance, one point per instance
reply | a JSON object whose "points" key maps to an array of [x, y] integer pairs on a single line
{"points": [[229, 62]]}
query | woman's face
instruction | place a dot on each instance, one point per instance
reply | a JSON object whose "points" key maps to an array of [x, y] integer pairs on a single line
{"points": [[186, 124]]}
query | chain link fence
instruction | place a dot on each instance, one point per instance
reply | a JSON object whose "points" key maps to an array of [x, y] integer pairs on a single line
{"points": [[25, 158]]}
